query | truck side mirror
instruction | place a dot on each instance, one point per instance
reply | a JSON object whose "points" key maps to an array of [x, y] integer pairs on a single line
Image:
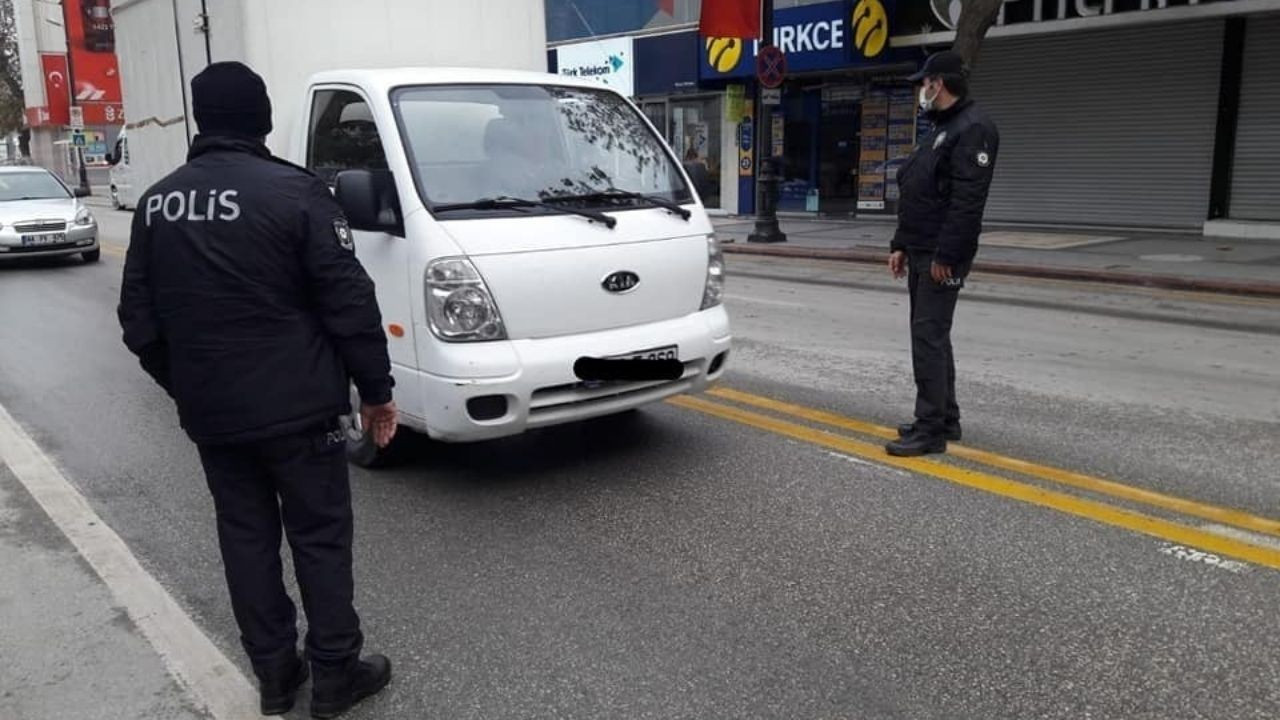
{"points": [[370, 201]]}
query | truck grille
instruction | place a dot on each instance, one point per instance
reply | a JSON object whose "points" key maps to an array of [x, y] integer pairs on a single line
{"points": [[551, 405]]}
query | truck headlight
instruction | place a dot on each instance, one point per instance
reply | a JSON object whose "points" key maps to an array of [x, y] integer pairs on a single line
{"points": [[84, 217], [460, 307], [713, 295]]}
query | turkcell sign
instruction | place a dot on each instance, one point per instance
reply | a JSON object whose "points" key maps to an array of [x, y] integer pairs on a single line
{"points": [[813, 37]]}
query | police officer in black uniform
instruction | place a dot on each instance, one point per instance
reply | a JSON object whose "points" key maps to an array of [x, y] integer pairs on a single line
{"points": [[243, 298], [943, 188]]}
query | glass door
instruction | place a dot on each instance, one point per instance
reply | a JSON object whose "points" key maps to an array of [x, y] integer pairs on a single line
{"points": [[695, 136]]}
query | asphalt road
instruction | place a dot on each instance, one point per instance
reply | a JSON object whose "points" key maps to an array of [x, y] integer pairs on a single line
{"points": [[734, 557]]}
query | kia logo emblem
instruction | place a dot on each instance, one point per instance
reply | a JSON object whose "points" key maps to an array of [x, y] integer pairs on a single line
{"points": [[622, 281]]}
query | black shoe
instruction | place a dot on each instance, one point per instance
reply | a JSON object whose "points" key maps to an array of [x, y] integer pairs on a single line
{"points": [[278, 689], [336, 690], [949, 432], [916, 444]]}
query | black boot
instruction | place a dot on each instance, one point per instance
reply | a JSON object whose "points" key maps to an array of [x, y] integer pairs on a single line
{"points": [[916, 444], [950, 432], [278, 687], [337, 689]]}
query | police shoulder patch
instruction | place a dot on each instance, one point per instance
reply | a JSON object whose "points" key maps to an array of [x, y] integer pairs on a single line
{"points": [[342, 231]]}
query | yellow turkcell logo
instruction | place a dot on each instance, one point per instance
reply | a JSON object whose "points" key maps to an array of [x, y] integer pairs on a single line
{"points": [[870, 27], [723, 54]]}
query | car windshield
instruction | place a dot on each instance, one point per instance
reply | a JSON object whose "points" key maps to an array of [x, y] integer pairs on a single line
{"points": [[475, 142], [31, 186]]}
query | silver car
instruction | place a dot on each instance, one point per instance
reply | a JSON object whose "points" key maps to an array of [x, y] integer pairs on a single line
{"points": [[41, 217]]}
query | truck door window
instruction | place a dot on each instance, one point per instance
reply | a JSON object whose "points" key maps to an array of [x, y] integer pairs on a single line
{"points": [[343, 135]]}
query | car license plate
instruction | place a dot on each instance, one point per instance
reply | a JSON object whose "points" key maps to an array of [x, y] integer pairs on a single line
{"points": [[44, 239], [669, 352]]}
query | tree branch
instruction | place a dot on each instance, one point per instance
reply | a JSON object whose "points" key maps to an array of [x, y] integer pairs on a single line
{"points": [[976, 18]]}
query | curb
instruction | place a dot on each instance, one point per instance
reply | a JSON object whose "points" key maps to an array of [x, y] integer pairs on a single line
{"points": [[1163, 282]]}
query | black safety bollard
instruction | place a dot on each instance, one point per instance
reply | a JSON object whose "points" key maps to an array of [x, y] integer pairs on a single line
{"points": [[767, 229]]}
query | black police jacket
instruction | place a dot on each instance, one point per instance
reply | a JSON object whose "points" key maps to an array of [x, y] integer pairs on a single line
{"points": [[243, 298], [943, 186]]}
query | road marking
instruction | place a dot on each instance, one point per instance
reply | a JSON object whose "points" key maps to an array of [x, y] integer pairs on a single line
{"points": [[1193, 555], [762, 301], [1204, 511], [1242, 535], [112, 250], [1031, 494], [189, 655]]}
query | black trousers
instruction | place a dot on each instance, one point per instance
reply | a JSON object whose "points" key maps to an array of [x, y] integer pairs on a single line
{"points": [[933, 305], [299, 484]]}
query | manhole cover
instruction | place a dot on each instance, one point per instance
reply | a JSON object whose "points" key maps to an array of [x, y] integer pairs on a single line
{"points": [[1172, 258]]}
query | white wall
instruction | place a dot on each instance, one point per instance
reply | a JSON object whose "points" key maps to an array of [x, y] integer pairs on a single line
{"points": [[286, 41], [39, 27]]}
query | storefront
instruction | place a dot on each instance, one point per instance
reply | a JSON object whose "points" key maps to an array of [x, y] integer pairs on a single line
{"points": [[693, 120], [1255, 167], [1115, 114], [846, 118]]}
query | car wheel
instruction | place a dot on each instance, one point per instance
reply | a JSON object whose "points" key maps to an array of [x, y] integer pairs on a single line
{"points": [[115, 198], [92, 256], [361, 450]]}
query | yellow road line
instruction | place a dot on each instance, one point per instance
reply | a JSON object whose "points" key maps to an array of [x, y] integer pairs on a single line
{"points": [[1034, 495], [1214, 513]]}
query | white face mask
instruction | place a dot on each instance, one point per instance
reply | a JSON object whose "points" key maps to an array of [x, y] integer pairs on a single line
{"points": [[927, 100]]}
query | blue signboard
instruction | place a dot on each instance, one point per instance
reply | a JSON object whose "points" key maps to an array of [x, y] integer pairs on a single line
{"points": [[813, 37], [667, 64]]}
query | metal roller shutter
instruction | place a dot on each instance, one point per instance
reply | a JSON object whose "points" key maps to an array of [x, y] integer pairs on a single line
{"points": [[1112, 127], [1255, 174]]}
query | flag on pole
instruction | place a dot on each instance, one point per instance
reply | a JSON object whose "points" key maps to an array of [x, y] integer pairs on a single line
{"points": [[730, 19]]}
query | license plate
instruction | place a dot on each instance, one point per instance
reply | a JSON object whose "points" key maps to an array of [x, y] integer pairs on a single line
{"points": [[46, 239], [669, 352]]}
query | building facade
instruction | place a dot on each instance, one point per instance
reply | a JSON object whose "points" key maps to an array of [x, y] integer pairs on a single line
{"points": [[1118, 113], [69, 70]]}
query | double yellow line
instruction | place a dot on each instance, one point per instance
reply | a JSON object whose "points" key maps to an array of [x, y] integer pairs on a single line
{"points": [[735, 410]]}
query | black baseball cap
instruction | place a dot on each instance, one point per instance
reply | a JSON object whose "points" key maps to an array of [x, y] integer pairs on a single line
{"points": [[945, 62]]}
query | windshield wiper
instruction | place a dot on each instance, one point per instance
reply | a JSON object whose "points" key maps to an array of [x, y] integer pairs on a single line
{"points": [[512, 203], [663, 203]]}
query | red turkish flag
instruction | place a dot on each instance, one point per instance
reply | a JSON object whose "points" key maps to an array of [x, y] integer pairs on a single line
{"points": [[730, 19]]}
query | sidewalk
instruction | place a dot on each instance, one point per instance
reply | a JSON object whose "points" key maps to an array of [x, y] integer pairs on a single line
{"points": [[69, 650], [1166, 260]]}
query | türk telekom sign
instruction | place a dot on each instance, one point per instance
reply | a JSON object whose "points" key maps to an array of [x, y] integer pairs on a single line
{"points": [[608, 62]]}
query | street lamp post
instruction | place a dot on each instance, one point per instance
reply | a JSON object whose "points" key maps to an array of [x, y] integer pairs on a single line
{"points": [[766, 229]]}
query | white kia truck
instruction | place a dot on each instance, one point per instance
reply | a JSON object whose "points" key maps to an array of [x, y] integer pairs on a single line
{"points": [[516, 223]]}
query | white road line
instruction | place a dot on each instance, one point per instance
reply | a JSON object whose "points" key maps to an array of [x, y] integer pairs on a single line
{"points": [[1234, 533], [190, 656], [762, 301]]}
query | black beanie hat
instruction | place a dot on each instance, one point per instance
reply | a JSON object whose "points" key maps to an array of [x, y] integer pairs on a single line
{"points": [[230, 99]]}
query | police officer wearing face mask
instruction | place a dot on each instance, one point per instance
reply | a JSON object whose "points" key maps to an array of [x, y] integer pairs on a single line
{"points": [[943, 188], [243, 298]]}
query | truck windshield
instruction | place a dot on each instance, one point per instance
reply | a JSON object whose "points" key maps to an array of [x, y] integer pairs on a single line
{"points": [[472, 143], [36, 185]]}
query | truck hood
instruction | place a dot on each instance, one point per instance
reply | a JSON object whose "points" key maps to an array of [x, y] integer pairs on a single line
{"points": [[548, 273]]}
